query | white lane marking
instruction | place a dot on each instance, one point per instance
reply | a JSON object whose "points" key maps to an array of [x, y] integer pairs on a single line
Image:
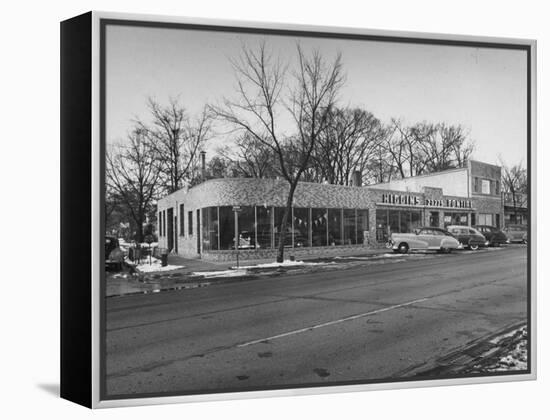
{"points": [[327, 324]]}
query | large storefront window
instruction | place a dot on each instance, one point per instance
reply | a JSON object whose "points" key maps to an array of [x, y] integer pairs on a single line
{"points": [[227, 227], [265, 231], [247, 227], [319, 227], [350, 231], [485, 219], [362, 226], [259, 227], [301, 225], [210, 229], [416, 220], [456, 219], [335, 226], [404, 221], [381, 225], [398, 221], [394, 221], [279, 212]]}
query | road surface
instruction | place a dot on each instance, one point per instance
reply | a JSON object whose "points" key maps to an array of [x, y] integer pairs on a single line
{"points": [[361, 322]]}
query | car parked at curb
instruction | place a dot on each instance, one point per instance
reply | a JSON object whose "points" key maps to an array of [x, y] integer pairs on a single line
{"points": [[423, 238], [469, 237], [516, 233], [494, 235]]}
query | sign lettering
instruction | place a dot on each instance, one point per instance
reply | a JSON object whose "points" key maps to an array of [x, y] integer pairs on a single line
{"points": [[411, 200]]}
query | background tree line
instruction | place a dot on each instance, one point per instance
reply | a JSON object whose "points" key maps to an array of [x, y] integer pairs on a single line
{"points": [[353, 139]]}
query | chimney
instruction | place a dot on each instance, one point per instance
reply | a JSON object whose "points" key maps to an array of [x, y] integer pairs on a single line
{"points": [[356, 178], [203, 164]]}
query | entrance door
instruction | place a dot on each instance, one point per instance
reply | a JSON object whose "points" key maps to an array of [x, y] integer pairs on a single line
{"points": [[434, 219], [198, 231], [170, 230]]}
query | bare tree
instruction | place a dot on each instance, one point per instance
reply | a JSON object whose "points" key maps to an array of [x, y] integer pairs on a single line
{"points": [[177, 141], [514, 183], [443, 146], [347, 143], [132, 174], [427, 147], [457, 139], [261, 79], [250, 157], [401, 145], [380, 168]]}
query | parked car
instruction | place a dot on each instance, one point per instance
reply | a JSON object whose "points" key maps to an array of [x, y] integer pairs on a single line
{"points": [[516, 233], [424, 238], [494, 235], [114, 256], [468, 236]]}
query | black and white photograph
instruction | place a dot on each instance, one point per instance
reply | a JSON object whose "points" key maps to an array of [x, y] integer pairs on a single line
{"points": [[293, 209]]}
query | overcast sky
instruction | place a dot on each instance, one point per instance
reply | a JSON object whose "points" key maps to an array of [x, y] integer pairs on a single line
{"points": [[480, 88]]}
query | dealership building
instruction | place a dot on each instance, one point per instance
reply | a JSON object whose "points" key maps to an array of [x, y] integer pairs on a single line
{"points": [[203, 221]]}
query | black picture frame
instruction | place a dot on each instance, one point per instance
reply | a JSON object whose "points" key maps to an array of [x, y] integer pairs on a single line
{"points": [[83, 142]]}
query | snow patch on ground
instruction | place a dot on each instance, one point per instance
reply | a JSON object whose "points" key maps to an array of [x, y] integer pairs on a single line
{"points": [[285, 263], [380, 256], [154, 266], [516, 359], [224, 273], [514, 356], [244, 270]]}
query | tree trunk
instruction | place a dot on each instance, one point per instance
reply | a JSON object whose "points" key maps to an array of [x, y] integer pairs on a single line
{"points": [[282, 228], [140, 229]]}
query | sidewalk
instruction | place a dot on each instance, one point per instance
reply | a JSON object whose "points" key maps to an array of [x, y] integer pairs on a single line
{"points": [[182, 273]]}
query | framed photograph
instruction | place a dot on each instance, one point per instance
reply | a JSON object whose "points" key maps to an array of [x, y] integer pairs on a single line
{"points": [[254, 209]]}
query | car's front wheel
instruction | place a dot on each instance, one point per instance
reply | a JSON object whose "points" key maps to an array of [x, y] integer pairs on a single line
{"points": [[474, 247], [446, 250], [403, 248]]}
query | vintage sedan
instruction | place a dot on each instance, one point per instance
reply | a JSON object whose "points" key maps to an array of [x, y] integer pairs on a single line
{"points": [[468, 236], [516, 233], [494, 235], [424, 238]]}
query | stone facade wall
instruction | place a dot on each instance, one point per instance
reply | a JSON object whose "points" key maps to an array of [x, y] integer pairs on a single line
{"points": [[490, 205], [484, 170], [257, 192], [321, 251]]}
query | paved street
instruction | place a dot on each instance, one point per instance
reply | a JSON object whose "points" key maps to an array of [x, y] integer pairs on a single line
{"points": [[358, 322]]}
